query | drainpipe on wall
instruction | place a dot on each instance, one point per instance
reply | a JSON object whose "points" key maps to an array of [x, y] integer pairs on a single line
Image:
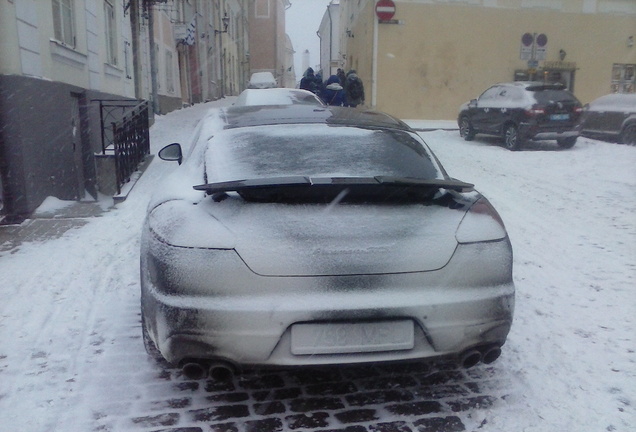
{"points": [[153, 57], [330, 37], [374, 65]]}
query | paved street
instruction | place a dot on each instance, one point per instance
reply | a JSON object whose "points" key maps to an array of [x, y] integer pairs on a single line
{"points": [[406, 398]]}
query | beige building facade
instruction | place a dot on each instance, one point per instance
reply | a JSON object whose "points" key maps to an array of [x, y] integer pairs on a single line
{"points": [[434, 55], [270, 47]]}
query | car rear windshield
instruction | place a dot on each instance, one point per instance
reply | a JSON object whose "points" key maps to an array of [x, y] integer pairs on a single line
{"points": [[316, 151], [548, 96]]}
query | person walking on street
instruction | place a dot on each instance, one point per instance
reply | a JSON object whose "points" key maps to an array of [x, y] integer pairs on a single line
{"points": [[308, 81], [319, 84], [342, 76], [354, 90], [333, 92]]}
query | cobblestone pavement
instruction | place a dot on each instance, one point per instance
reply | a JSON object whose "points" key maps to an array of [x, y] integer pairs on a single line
{"points": [[372, 398]]}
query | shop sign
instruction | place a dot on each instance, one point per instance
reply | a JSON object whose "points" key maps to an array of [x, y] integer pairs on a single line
{"points": [[559, 65]]}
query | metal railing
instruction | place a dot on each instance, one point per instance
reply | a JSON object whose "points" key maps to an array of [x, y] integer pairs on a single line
{"points": [[131, 141], [127, 136]]}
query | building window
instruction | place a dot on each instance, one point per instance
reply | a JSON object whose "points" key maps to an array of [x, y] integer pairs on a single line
{"points": [[169, 75], [126, 60], [63, 25], [111, 32], [624, 78]]}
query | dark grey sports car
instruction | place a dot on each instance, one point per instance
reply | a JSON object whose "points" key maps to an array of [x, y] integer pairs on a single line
{"points": [[314, 236], [612, 118]]}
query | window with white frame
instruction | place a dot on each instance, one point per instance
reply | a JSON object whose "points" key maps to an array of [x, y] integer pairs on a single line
{"points": [[126, 59], [111, 32], [63, 21]]}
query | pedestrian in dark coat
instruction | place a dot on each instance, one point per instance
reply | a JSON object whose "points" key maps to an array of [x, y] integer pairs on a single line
{"points": [[342, 76], [319, 84], [308, 81], [333, 93], [354, 90]]}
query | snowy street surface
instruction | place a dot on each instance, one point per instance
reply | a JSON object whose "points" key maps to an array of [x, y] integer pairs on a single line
{"points": [[72, 358]]}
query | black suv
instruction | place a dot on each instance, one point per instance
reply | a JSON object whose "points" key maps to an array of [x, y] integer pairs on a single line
{"points": [[521, 111]]}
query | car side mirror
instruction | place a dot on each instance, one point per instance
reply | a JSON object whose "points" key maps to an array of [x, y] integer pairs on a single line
{"points": [[473, 102], [171, 152]]}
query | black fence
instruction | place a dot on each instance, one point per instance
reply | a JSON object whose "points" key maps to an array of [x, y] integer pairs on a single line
{"points": [[127, 138]]}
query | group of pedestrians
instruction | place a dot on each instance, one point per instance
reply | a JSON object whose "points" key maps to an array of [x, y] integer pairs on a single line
{"points": [[339, 90]]}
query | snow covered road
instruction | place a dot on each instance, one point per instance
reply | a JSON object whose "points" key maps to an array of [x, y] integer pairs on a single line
{"points": [[71, 356]]}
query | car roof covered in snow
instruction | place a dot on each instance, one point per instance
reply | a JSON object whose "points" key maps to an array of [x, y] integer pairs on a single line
{"points": [[245, 116]]}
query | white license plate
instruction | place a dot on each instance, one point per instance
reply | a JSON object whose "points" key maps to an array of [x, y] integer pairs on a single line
{"points": [[559, 116], [344, 338]]}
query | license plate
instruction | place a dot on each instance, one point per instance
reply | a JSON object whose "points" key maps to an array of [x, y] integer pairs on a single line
{"points": [[344, 338], [559, 116]]}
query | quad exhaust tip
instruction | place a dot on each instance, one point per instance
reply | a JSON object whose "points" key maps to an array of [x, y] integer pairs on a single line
{"points": [[486, 355], [200, 369]]}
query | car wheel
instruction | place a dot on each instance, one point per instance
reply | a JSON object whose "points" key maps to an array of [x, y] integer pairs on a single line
{"points": [[567, 143], [466, 130], [628, 136], [512, 140]]}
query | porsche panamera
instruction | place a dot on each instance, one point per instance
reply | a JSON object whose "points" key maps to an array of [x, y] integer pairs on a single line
{"points": [[319, 236]]}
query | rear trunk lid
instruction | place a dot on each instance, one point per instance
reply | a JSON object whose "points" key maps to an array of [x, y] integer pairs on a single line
{"points": [[276, 239]]}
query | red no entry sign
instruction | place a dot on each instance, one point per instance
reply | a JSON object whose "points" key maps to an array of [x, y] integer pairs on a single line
{"points": [[385, 9]]}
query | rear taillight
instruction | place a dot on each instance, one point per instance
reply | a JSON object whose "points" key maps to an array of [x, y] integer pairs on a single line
{"points": [[578, 109], [481, 223], [535, 111]]}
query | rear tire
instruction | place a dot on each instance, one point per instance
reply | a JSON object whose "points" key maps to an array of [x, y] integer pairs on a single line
{"points": [[466, 130], [628, 136], [512, 140], [567, 143]]}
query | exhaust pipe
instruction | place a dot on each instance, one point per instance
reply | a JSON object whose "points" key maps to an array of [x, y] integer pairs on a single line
{"points": [[491, 354], [221, 371], [470, 358], [194, 371]]}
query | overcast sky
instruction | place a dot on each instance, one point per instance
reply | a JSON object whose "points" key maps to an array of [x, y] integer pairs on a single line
{"points": [[302, 20]]}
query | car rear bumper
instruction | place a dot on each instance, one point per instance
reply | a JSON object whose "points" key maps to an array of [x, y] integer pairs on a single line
{"points": [[468, 303], [541, 133]]}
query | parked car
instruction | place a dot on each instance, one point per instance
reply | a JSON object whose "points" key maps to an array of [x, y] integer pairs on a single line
{"points": [[262, 80], [521, 111], [611, 117], [296, 236], [277, 96]]}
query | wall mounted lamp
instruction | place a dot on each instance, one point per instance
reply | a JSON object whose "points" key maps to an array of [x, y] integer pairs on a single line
{"points": [[630, 42], [226, 22]]}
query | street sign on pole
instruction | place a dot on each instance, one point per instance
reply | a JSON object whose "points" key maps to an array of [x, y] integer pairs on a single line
{"points": [[527, 41], [542, 47], [385, 9]]}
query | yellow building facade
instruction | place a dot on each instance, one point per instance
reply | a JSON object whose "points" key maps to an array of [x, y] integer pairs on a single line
{"points": [[434, 55]]}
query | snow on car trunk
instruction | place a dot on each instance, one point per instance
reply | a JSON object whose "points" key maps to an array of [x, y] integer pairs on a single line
{"points": [[318, 239]]}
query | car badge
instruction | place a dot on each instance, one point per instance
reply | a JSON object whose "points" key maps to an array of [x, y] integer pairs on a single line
{"points": [[560, 105]]}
